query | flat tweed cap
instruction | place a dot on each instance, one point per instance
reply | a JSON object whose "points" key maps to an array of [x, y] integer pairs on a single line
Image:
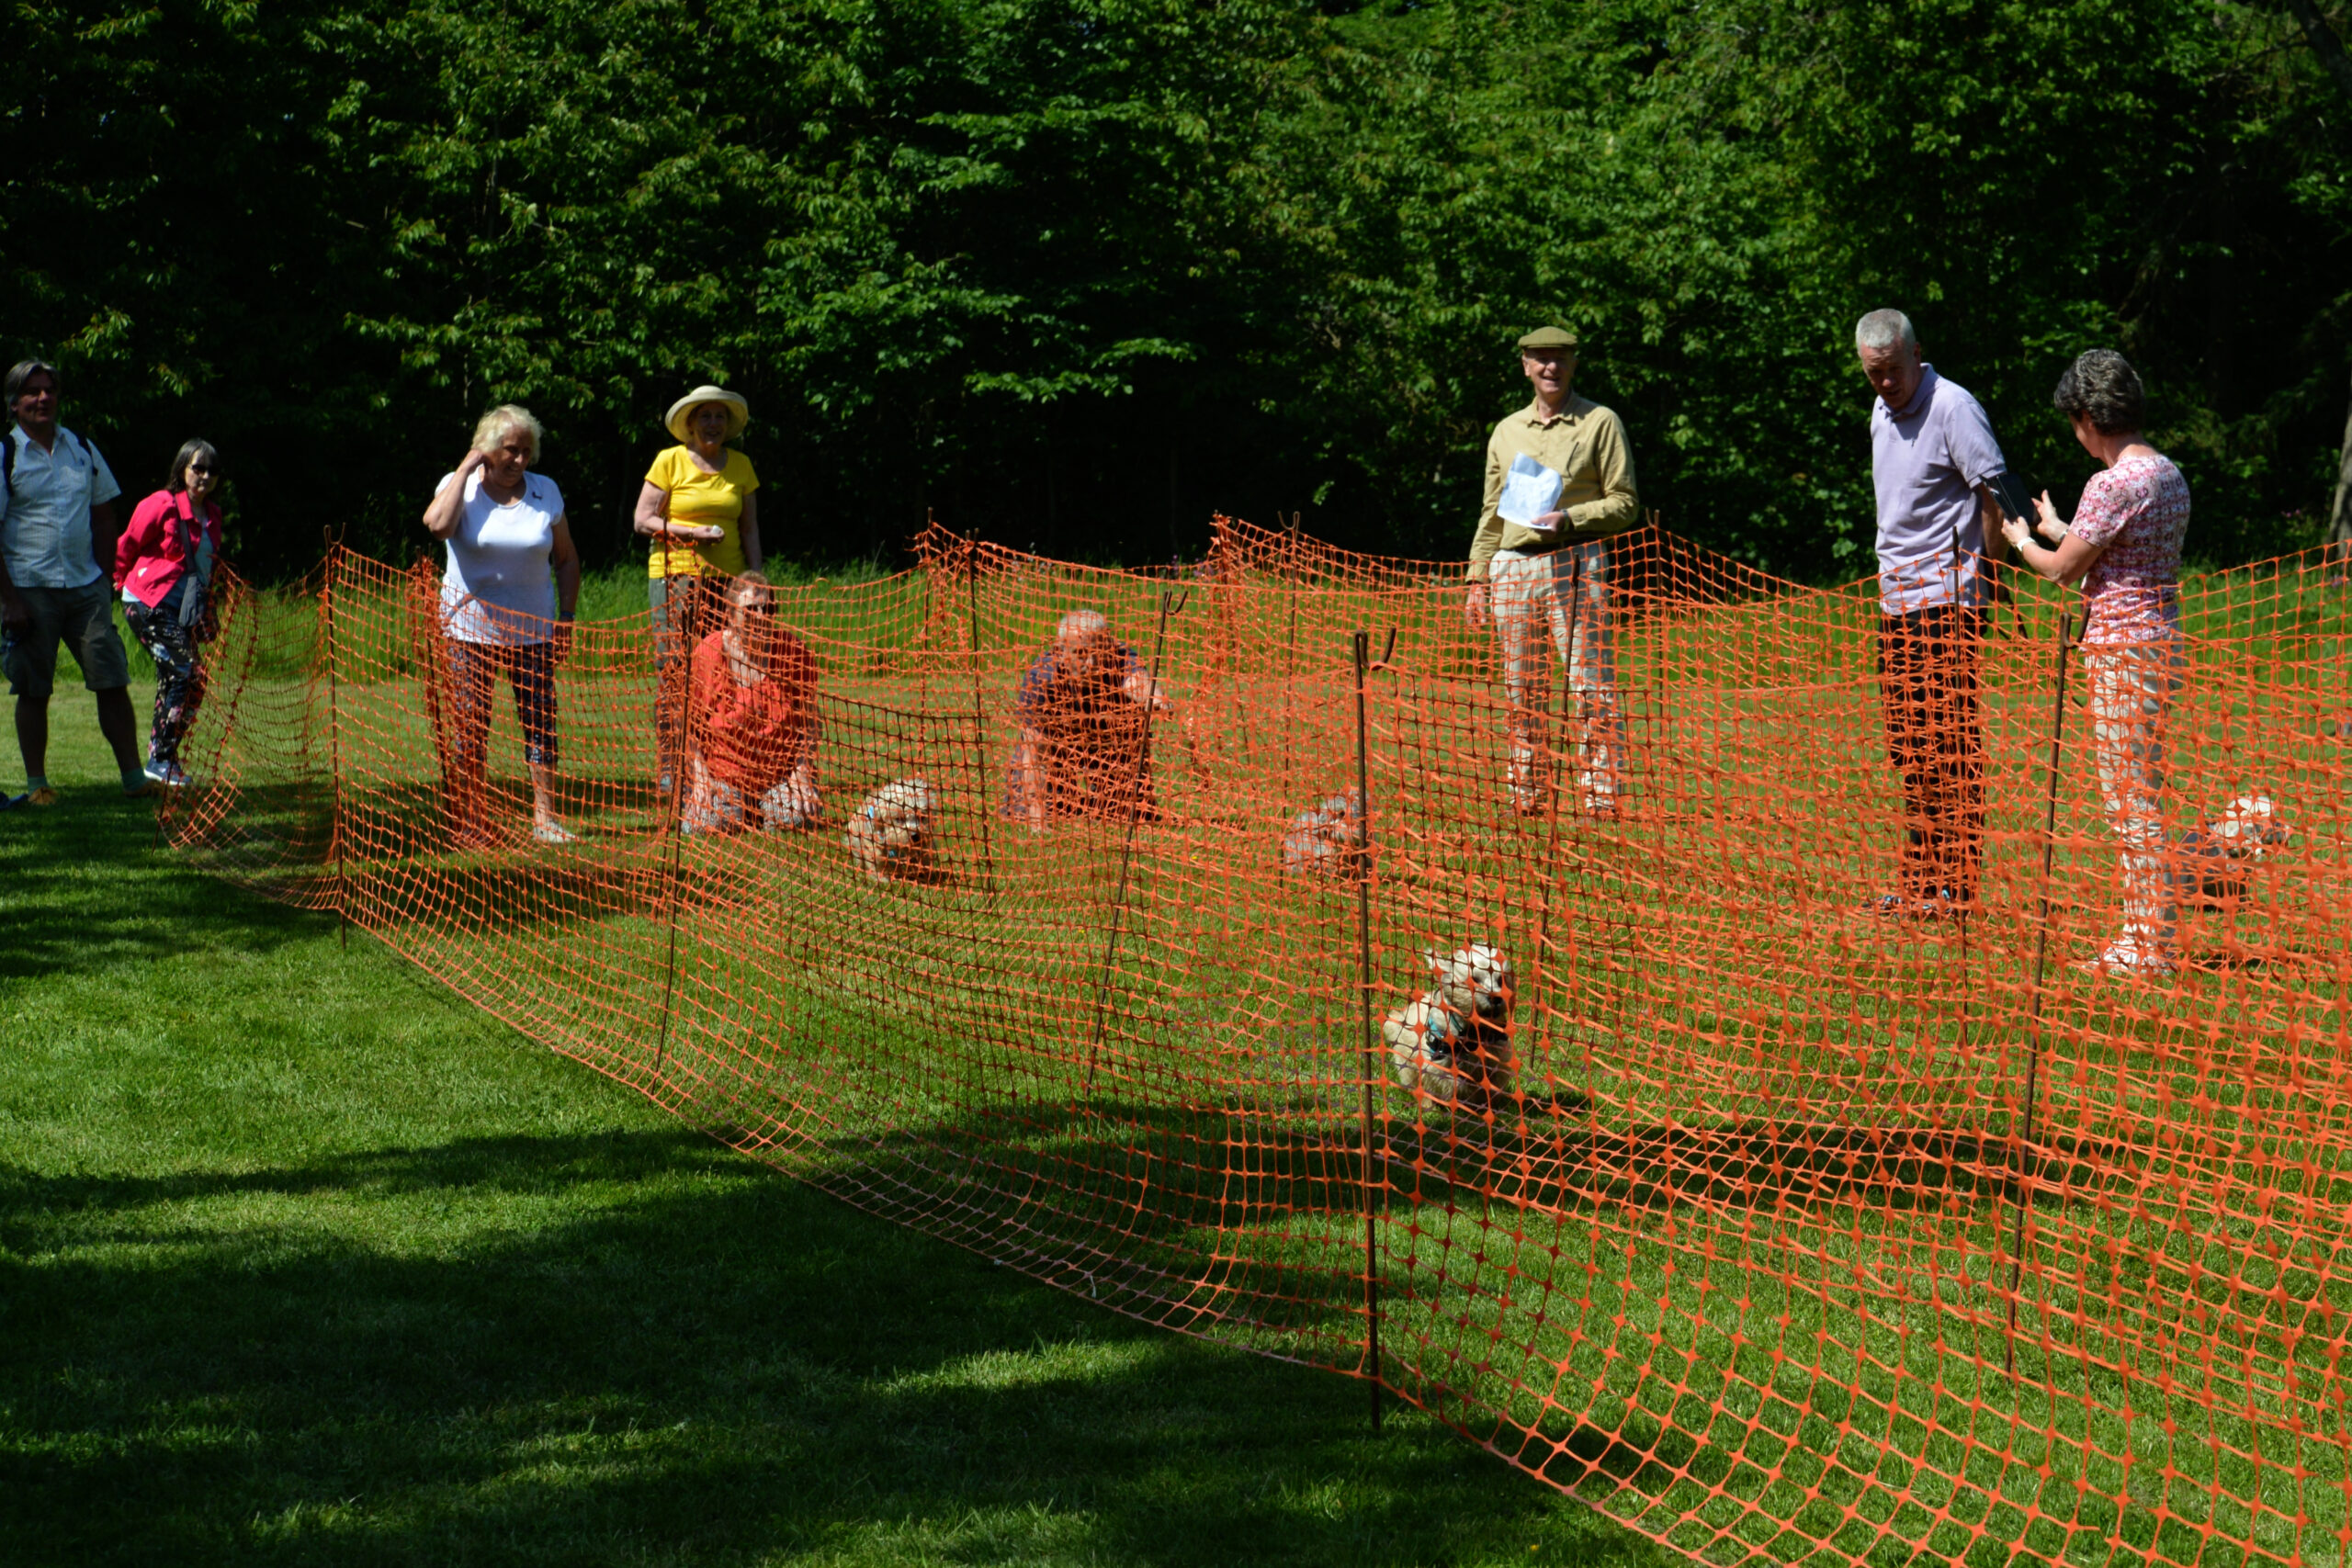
{"points": [[1549, 337]]}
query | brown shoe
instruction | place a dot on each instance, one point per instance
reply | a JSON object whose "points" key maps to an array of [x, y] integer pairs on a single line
{"points": [[45, 795]]}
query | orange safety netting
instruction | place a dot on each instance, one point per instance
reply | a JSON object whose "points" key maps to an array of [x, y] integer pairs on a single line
{"points": [[1225, 969]]}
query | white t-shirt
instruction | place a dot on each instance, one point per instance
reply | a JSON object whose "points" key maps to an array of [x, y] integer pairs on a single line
{"points": [[500, 585], [45, 514]]}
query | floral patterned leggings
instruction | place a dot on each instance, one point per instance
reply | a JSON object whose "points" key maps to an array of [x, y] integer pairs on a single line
{"points": [[179, 676], [2131, 689]]}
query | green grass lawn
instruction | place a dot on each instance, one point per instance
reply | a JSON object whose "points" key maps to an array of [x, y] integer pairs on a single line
{"points": [[303, 1260], [1746, 1363]]}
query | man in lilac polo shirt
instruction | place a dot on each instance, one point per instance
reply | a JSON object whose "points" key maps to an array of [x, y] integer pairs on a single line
{"points": [[1932, 461]]}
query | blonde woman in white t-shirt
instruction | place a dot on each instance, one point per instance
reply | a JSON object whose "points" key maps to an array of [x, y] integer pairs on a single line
{"points": [[507, 598]]}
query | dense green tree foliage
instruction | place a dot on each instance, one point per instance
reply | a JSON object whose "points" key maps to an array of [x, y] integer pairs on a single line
{"points": [[1077, 272]]}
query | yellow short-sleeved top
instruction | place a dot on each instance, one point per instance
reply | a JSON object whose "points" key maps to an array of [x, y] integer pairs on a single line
{"points": [[702, 501]]}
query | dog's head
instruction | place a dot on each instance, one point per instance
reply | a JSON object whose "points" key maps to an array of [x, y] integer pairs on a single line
{"points": [[906, 800], [2248, 825], [1477, 979]]}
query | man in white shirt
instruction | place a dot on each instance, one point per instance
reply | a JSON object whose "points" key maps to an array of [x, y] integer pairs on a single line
{"points": [[56, 526]]}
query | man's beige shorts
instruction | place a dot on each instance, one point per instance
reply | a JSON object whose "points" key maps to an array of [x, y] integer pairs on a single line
{"points": [[83, 618]]}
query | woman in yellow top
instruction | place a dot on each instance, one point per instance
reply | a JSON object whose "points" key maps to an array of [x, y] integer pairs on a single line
{"points": [[698, 508]]}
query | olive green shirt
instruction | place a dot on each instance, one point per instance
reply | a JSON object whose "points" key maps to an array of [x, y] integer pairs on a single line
{"points": [[1586, 445]]}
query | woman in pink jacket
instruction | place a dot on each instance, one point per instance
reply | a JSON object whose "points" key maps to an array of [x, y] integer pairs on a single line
{"points": [[164, 565]]}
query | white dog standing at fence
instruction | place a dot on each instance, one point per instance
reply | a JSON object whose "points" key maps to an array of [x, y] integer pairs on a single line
{"points": [[1560, 483]]}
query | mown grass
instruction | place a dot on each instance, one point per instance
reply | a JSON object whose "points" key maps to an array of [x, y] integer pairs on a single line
{"points": [[303, 1260], [1771, 1008]]}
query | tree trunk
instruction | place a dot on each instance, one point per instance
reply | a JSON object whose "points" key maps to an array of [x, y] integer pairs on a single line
{"points": [[2324, 43]]}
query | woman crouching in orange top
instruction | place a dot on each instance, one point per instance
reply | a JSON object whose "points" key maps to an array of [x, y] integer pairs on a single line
{"points": [[751, 734]]}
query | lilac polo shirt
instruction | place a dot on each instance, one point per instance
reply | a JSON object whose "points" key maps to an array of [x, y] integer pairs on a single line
{"points": [[1927, 460]]}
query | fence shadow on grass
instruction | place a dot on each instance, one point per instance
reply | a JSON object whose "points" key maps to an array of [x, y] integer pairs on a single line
{"points": [[699, 1362]]}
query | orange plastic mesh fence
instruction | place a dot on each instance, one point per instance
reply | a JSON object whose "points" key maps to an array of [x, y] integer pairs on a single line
{"points": [[1652, 1157]]}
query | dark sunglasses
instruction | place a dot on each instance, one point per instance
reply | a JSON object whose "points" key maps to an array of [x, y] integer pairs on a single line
{"points": [[199, 468]]}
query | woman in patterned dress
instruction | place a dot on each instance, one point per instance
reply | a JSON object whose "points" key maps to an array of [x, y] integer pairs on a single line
{"points": [[2124, 548]]}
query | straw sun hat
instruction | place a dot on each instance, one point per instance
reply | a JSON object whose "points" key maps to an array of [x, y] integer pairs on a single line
{"points": [[738, 412]]}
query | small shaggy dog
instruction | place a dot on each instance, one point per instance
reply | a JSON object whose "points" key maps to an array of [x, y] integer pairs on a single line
{"points": [[1452, 1043], [1327, 840], [2212, 866], [889, 833]]}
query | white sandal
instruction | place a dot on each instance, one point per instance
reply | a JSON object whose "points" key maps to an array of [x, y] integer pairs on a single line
{"points": [[2126, 959]]}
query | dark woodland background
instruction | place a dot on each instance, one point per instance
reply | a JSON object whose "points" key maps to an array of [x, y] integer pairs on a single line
{"points": [[1077, 272]]}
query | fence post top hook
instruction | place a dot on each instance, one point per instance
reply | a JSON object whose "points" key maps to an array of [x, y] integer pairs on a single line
{"points": [[1172, 600]]}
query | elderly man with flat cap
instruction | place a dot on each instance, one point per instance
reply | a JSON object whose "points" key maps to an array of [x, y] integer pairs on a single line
{"points": [[1559, 485]]}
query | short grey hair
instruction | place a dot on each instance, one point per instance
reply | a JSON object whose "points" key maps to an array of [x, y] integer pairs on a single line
{"points": [[1883, 329], [1081, 623], [501, 419], [25, 370], [2102, 387]]}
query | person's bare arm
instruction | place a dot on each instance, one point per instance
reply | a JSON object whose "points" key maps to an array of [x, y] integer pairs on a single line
{"points": [[748, 531], [104, 534], [652, 520], [448, 505], [1995, 521], [2065, 564], [1485, 540], [1142, 692], [1028, 788], [565, 557]]}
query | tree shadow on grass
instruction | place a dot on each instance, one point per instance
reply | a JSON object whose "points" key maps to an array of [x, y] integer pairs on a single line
{"points": [[695, 1361], [87, 886]]}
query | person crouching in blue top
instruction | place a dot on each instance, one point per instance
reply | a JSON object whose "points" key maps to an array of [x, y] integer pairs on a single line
{"points": [[1085, 707], [507, 598]]}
